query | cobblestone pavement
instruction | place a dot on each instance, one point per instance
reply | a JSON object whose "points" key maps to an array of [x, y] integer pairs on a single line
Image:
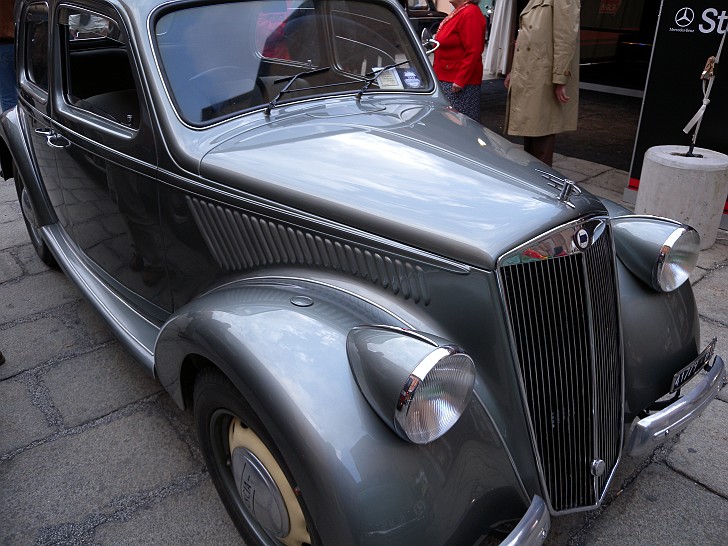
{"points": [[93, 452]]}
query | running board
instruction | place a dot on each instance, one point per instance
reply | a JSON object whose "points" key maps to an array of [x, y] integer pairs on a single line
{"points": [[136, 333]]}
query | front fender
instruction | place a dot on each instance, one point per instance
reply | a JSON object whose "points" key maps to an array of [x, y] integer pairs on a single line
{"points": [[284, 347], [661, 333]]}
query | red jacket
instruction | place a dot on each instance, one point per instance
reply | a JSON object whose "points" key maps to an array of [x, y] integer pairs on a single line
{"points": [[462, 40]]}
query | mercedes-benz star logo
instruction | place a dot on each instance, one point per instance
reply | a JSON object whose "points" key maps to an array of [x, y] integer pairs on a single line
{"points": [[684, 17]]}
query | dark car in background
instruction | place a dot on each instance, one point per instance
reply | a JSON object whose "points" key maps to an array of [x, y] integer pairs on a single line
{"points": [[423, 14], [391, 325]]}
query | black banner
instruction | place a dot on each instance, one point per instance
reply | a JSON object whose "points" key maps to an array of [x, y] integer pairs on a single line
{"points": [[687, 34]]}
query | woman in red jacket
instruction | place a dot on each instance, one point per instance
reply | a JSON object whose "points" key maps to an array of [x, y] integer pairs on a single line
{"points": [[459, 59]]}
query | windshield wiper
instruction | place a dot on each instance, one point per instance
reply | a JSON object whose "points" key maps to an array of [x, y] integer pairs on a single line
{"points": [[287, 88], [371, 80]]}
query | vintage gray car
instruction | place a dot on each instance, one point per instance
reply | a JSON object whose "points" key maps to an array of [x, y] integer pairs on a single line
{"points": [[392, 325]]}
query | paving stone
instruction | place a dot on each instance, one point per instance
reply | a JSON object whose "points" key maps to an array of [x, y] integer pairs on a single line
{"points": [[28, 257], [697, 453], [579, 166], [9, 267], [698, 274], [14, 234], [613, 180], [92, 385], [34, 294], [7, 191], [86, 470], [20, 422], [198, 514], [577, 177], [30, 344], [662, 507], [708, 331], [88, 324], [711, 295], [9, 212], [716, 254]]}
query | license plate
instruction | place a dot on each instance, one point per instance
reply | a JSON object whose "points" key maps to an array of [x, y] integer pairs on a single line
{"points": [[689, 371]]}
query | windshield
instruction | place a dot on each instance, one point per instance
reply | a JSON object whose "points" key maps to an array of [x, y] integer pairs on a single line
{"points": [[222, 59]]}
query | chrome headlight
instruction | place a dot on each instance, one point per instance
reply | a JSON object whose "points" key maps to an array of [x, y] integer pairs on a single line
{"points": [[418, 384], [659, 251]]}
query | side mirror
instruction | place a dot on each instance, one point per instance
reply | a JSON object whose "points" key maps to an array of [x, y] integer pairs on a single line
{"points": [[428, 41]]}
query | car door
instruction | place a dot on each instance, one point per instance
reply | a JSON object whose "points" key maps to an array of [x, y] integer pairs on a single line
{"points": [[34, 108], [106, 154]]}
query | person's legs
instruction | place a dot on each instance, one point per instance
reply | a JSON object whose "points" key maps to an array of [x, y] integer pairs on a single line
{"points": [[8, 93], [466, 101], [541, 147]]}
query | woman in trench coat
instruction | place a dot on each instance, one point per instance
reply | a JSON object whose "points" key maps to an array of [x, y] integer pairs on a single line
{"points": [[543, 84]]}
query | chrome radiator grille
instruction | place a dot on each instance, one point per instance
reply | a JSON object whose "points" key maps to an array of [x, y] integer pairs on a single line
{"points": [[564, 325]]}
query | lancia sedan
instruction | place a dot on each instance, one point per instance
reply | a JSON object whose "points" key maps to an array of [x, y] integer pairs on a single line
{"points": [[392, 325]]}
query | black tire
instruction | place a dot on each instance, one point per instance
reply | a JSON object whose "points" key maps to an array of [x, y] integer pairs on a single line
{"points": [[41, 248], [233, 439]]}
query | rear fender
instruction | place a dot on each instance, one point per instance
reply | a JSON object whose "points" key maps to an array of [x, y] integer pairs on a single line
{"points": [[15, 148], [284, 347]]}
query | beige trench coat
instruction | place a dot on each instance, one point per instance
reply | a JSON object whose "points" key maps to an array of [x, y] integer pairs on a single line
{"points": [[546, 54]]}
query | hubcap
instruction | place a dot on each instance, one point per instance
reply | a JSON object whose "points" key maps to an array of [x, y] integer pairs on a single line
{"points": [[259, 493], [263, 488]]}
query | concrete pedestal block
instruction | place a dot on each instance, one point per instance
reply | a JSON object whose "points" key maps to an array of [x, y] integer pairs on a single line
{"points": [[691, 190]]}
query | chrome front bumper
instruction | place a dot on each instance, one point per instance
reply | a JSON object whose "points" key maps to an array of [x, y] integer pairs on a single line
{"points": [[646, 434], [533, 527]]}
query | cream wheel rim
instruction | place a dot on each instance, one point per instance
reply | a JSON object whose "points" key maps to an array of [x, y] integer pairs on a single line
{"points": [[263, 487]]}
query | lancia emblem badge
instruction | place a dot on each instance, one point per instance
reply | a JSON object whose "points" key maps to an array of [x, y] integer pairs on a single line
{"points": [[582, 239]]}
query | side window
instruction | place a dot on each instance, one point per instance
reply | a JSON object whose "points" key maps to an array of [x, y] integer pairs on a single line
{"points": [[97, 71], [36, 45]]}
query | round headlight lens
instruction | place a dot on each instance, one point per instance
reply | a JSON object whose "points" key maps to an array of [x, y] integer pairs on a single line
{"points": [[677, 259], [435, 395]]}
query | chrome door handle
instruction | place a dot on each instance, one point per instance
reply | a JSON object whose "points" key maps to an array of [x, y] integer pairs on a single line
{"points": [[54, 140]]}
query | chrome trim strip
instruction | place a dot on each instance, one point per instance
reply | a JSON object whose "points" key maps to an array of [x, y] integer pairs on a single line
{"points": [[137, 334], [531, 251], [430, 361], [667, 247], [533, 528], [648, 433]]}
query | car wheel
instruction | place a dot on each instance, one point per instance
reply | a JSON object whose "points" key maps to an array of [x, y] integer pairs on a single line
{"points": [[247, 468], [31, 224]]}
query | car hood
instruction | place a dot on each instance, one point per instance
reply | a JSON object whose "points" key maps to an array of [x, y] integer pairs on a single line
{"points": [[413, 172]]}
